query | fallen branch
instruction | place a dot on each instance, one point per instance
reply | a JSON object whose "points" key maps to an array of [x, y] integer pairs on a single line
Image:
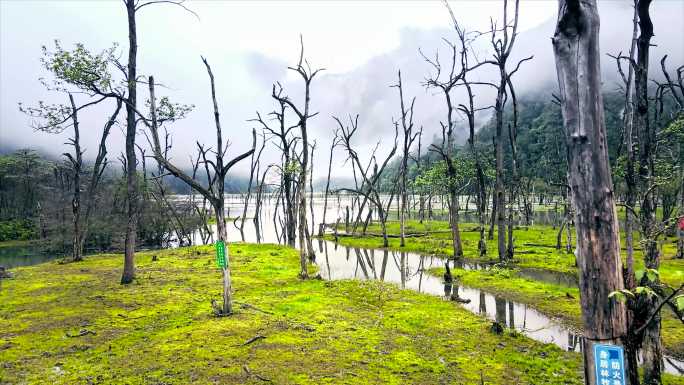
{"points": [[253, 339]]}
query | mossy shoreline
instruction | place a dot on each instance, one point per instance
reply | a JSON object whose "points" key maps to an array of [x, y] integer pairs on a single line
{"points": [[74, 324], [556, 301], [534, 246]]}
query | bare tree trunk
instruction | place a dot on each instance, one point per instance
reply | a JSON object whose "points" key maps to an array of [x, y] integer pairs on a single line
{"points": [[630, 198], [303, 254], [131, 162], [492, 219], [252, 169], [310, 230], [409, 137], [499, 193], [307, 75], [576, 49], [215, 191], [321, 227], [76, 165], [652, 352], [98, 168], [453, 220], [680, 224]]}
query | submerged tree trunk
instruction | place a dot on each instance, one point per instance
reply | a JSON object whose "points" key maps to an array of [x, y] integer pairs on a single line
{"points": [[576, 49]]}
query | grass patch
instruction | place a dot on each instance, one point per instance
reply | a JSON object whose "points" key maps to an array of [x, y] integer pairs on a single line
{"points": [[160, 328]]}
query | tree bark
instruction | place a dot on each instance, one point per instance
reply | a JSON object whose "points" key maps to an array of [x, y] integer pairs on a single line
{"points": [[321, 227], [652, 350], [77, 164], [577, 54], [131, 162]]}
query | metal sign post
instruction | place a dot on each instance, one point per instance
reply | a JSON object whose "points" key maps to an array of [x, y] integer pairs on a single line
{"points": [[610, 364]]}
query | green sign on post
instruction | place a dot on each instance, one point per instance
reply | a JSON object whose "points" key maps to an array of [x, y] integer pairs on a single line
{"points": [[221, 260]]}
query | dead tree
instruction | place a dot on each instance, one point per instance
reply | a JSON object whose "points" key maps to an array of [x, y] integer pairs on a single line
{"points": [[335, 142], [409, 136], [645, 130], [577, 54], [419, 169], [502, 40], [216, 174], [160, 195], [469, 110], [446, 149], [53, 119], [258, 202], [254, 165], [369, 188], [630, 179], [310, 230], [285, 144], [304, 70]]}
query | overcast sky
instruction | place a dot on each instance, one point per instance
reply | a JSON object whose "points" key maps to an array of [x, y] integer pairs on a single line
{"points": [[361, 45]]}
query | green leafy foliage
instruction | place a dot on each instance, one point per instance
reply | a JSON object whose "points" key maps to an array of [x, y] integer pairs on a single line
{"points": [[80, 67], [17, 230], [168, 111], [651, 274]]}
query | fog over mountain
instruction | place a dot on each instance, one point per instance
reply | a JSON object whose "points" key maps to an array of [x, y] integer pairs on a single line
{"points": [[250, 46]]}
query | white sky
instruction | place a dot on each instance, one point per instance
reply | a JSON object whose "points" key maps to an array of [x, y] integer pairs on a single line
{"points": [[249, 44]]}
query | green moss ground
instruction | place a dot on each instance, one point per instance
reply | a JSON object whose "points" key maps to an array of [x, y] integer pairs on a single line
{"points": [[159, 330], [535, 250]]}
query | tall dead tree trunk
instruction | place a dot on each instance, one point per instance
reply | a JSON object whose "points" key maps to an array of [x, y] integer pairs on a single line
{"points": [[480, 188], [576, 49], [304, 115], [502, 41], [631, 190], [409, 137], [214, 192], [131, 161], [76, 166], [335, 142], [652, 350]]}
